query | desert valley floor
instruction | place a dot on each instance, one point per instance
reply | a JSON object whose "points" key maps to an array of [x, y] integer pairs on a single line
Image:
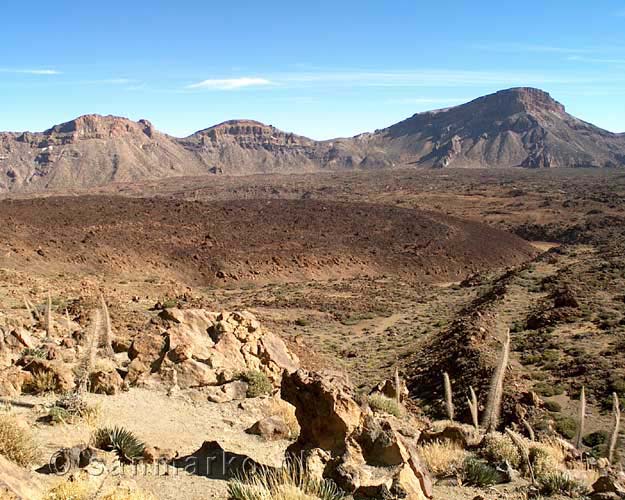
{"points": [[358, 272]]}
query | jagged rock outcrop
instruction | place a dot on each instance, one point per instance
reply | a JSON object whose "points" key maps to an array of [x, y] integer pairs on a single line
{"points": [[521, 127], [366, 454], [205, 349]]}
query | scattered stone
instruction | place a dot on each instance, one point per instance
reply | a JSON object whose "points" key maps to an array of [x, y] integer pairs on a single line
{"points": [[232, 391], [387, 388], [270, 428], [106, 382]]}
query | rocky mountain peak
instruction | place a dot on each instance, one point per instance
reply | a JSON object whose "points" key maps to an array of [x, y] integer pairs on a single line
{"points": [[94, 126], [521, 99]]}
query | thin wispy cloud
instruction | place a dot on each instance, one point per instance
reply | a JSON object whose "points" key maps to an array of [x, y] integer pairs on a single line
{"points": [[18, 71], [620, 13], [596, 60], [230, 83], [533, 48], [106, 81], [418, 78], [428, 78]]}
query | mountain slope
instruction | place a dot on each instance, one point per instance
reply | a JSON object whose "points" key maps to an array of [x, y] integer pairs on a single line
{"points": [[520, 127], [89, 151], [516, 127]]}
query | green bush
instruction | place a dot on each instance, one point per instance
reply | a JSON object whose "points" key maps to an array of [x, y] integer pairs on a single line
{"points": [[553, 406], [560, 483], [548, 389], [123, 442], [566, 426], [595, 438], [258, 384], [382, 404], [34, 352], [479, 473]]}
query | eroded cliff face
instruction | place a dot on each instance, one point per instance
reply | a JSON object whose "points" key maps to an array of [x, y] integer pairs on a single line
{"points": [[520, 127]]}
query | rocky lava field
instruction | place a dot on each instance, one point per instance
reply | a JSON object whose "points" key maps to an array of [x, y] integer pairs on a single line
{"points": [[347, 276]]}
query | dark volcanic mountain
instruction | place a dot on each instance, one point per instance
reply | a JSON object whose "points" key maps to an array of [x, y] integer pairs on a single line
{"points": [[518, 127], [513, 128]]}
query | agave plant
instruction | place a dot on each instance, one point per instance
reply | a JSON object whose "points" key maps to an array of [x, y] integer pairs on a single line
{"points": [[122, 441]]}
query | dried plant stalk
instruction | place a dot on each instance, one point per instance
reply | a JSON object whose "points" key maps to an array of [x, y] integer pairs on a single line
{"points": [[91, 345], [48, 318], [524, 451], [616, 415], [581, 419], [473, 407], [107, 337], [495, 396], [449, 399], [397, 386]]}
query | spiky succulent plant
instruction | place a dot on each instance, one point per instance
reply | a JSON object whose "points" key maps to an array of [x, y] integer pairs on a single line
{"points": [[122, 441]]}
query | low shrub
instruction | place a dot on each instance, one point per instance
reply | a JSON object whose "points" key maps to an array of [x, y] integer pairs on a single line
{"points": [[71, 408], [258, 384], [128, 494], [543, 459], [443, 458], [382, 404], [561, 483], [16, 442], [553, 406], [566, 426], [123, 442], [42, 382], [595, 438], [499, 448], [33, 352], [291, 482], [479, 473]]}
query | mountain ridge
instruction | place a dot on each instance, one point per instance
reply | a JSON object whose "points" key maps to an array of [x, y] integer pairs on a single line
{"points": [[518, 127]]}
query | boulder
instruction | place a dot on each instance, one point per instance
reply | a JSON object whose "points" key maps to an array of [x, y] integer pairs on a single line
{"points": [[608, 487], [147, 346], [61, 372], [270, 428], [387, 389], [105, 382], [367, 455], [324, 407], [12, 380], [233, 391], [17, 483]]}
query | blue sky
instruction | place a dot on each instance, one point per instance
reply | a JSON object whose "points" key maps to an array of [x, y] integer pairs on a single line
{"points": [[322, 69]]}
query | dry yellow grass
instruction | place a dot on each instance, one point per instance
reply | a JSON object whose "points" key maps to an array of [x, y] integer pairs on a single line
{"points": [[71, 490], [129, 494], [42, 382], [443, 459], [545, 457], [499, 448], [16, 442], [291, 482]]}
